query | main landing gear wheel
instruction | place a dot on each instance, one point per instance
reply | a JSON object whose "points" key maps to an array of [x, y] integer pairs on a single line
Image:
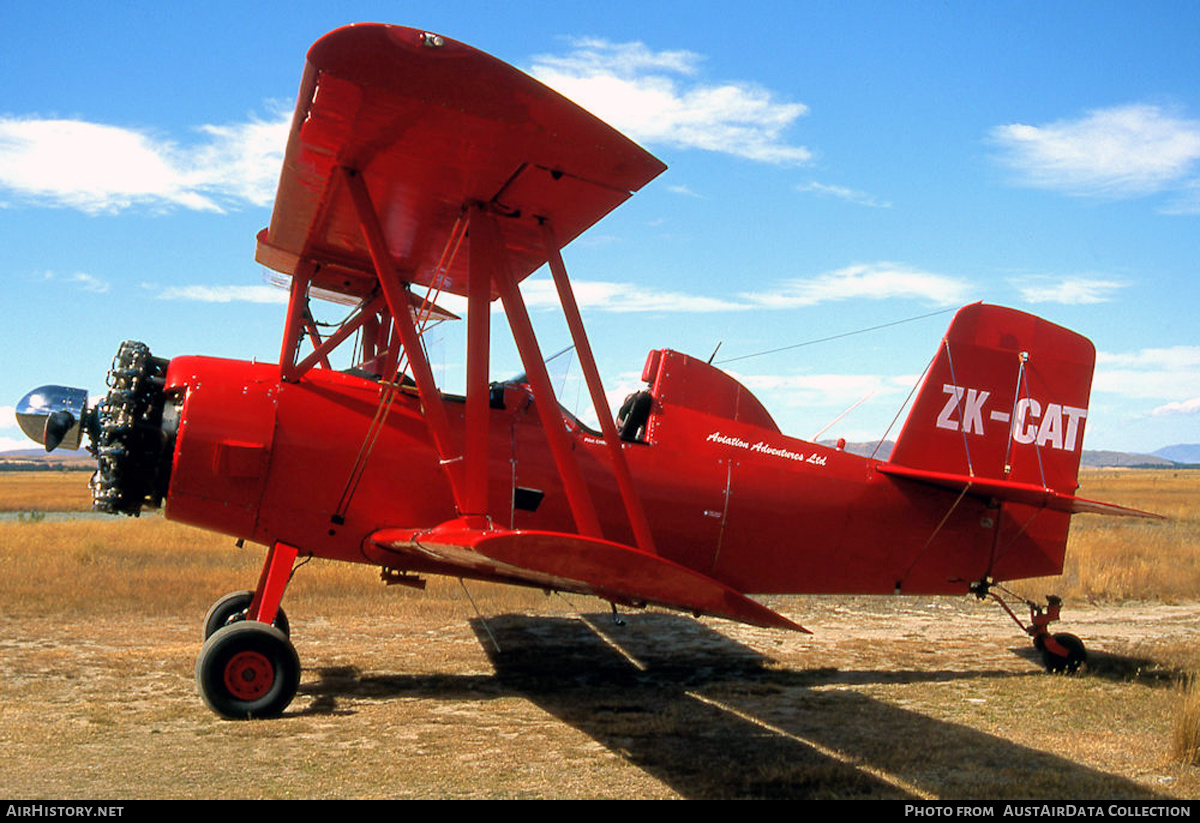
{"points": [[1072, 657], [233, 607], [248, 670]]}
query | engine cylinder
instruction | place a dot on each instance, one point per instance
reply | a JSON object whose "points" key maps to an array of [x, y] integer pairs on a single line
{"points": [[135, 434]]}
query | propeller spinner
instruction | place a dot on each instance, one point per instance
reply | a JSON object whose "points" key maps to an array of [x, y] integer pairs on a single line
{"points": [[55, 416]]}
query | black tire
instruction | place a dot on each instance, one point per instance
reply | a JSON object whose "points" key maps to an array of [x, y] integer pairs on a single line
{"points": [[248, 670], [1058, 664], [232, 608]]}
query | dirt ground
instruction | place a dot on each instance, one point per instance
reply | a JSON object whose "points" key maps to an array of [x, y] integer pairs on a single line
{"points": [[888, 698]]}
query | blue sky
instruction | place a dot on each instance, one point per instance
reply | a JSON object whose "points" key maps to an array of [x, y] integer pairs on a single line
{"points": [[832, 167]]}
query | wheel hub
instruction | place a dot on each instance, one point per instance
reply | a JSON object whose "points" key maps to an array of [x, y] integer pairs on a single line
{"points": [[249, 675]]}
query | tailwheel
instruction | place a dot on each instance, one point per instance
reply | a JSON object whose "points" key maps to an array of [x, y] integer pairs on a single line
{"points": [[233, 607], [1062, 653], [248, 670]]}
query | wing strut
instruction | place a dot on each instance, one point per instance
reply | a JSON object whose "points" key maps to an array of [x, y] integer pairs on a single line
{"points": [[398, 302], [490, 272], [297, 306], [362, 317], [578, 497], [566, 296], [485, 255]]}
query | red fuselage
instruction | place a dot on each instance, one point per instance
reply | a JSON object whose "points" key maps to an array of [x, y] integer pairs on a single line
{"points": [[724, 492]]}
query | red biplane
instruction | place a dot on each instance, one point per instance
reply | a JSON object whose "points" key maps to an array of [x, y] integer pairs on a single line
{"points": [[418, 166]]}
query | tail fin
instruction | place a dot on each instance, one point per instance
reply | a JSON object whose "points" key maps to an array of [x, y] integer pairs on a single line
{"points": [[1004, 404]]}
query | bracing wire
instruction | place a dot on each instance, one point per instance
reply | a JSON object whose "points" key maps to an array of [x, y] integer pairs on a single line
{"points": [[834, 337], [391, 384], [900, 411], [482, 620]]}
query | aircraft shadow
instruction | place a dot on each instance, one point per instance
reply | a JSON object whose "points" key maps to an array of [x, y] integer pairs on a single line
{"points": [[1119, 668], [712, 718]]}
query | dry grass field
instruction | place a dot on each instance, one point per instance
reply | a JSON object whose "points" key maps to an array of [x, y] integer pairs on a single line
{"points": [[1117, 559], [412, 694], [58, 491]]}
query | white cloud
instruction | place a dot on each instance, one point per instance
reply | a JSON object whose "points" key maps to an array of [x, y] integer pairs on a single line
{"points": [[860, 198], [826, 389], [820, 406], [225, 294], [1190, 406], [8, 421], [1124, 151], [104, 169], [1071, 291], [1185, 201], [9, 444], [89, 282], [242, 161], [874, 281], [1161, 373], [540, 293], [1172, 358], [89, 166], [654, 98], [81, 280]]}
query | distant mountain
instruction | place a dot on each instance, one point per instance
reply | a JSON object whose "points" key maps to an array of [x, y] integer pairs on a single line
{"points": [[1111, 459], [35, 458], [1181, 453]]}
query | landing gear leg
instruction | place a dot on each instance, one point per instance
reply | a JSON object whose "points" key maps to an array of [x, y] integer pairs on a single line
{"points": [[272, 582], [1062, 653], [234, 607], [248, 668]]}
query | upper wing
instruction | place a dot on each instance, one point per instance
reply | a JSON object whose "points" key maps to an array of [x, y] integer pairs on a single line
{"points": [[434, 125], [570, 562]]}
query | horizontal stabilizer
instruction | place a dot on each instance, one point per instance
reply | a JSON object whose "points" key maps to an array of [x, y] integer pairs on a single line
{"points": [[569, 562], [1012, 492]]}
